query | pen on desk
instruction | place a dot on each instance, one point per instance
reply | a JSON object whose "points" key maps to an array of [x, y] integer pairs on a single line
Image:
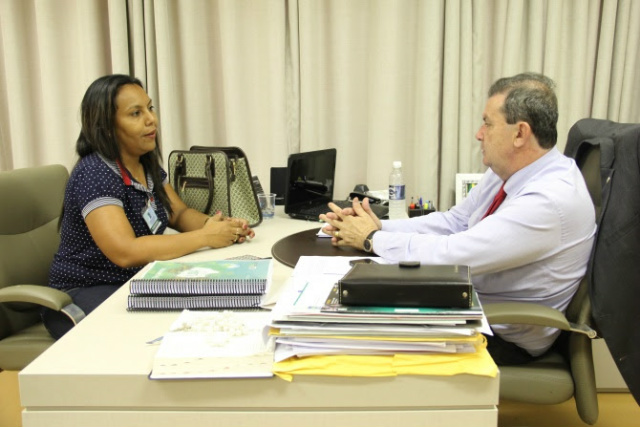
{"points": [[155, 340], [300, 292]]}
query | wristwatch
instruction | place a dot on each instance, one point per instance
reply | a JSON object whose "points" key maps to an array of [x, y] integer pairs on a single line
{"points": [[368, 242]]}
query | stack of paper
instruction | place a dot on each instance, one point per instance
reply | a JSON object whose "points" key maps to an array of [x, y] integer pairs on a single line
{"points": [[209, 344], [307, 320]]}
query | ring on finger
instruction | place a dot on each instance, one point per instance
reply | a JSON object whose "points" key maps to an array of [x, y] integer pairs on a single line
{"points": [[337, 234]]}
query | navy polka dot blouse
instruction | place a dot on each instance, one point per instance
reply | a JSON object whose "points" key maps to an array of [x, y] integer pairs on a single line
{"points": [[95, 182]]}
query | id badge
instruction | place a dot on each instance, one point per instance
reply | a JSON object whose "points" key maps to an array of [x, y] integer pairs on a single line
{"points": [[151, 218]]}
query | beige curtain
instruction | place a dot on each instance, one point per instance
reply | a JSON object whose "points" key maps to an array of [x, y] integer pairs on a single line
{"points": [[221, 73], [380, 80], [407, 80], [50, 51]]}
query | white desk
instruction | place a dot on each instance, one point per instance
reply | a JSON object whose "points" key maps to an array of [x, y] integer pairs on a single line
{"points": [[96, 376]]}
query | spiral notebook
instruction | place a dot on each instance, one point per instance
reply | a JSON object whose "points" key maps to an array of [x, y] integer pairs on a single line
{"points": [[199, 302], [217, 284]]}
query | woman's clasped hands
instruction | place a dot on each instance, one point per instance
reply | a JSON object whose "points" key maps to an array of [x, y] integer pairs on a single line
{"points": [[224, 231]]}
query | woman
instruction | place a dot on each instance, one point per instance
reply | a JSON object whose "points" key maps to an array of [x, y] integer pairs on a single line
{"points": [[118, 202]]}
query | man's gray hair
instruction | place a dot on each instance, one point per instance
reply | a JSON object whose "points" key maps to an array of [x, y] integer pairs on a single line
{"points": [[530, 97]]}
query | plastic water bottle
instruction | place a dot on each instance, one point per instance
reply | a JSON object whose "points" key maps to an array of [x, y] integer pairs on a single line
{"points": [[397, 198]]}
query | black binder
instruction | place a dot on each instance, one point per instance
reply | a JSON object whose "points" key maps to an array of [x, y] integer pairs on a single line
{"points": [[399, 285]]}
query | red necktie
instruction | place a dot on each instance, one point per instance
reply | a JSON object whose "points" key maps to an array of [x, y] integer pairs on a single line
{"points": [[497, 201]]}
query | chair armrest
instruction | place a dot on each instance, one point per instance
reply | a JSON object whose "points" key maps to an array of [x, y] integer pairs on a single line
{"points": [[532, 314], [42, 295], [45, 296]]}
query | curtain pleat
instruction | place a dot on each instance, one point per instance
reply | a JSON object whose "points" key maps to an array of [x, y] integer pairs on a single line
{"points": [[292, 76]]}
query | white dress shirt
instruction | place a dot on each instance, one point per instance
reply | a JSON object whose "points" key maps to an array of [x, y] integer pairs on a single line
{"points": [[533, 248]]}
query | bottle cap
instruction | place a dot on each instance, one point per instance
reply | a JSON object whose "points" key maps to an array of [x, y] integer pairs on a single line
{"points": [[397, 164]]}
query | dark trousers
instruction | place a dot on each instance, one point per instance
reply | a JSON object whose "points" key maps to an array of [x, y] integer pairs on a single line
{"points": [[87, 299], [506, 353]]}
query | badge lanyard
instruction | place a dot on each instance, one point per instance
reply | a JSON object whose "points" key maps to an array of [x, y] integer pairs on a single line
{"points": [[148, 213]]}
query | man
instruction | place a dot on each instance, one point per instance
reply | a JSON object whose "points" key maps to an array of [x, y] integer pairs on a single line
{"points": [[530, 245]]}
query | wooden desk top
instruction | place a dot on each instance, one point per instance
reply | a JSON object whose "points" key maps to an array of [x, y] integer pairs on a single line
{"points": [[306, 243]]}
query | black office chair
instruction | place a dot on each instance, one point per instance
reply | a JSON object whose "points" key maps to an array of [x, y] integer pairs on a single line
{"points": [[567, 369], [614, 268], [31, 205]]}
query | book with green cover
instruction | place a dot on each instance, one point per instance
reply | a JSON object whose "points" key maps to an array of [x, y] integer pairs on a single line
{"points": [[216, 277]]}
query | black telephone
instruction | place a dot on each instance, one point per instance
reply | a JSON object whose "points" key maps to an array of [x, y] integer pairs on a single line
{"points": [[360, 191], [372, 199]]}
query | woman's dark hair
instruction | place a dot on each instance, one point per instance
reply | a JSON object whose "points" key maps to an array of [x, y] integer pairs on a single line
{"points": [[98, 115]]}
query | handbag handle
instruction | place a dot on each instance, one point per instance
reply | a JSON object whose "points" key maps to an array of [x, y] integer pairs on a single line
{"points": [[179, 171], [210, 171], [180, 179]]}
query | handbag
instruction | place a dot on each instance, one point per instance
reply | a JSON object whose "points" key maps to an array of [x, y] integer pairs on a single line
{"points": [[211, 179]]}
